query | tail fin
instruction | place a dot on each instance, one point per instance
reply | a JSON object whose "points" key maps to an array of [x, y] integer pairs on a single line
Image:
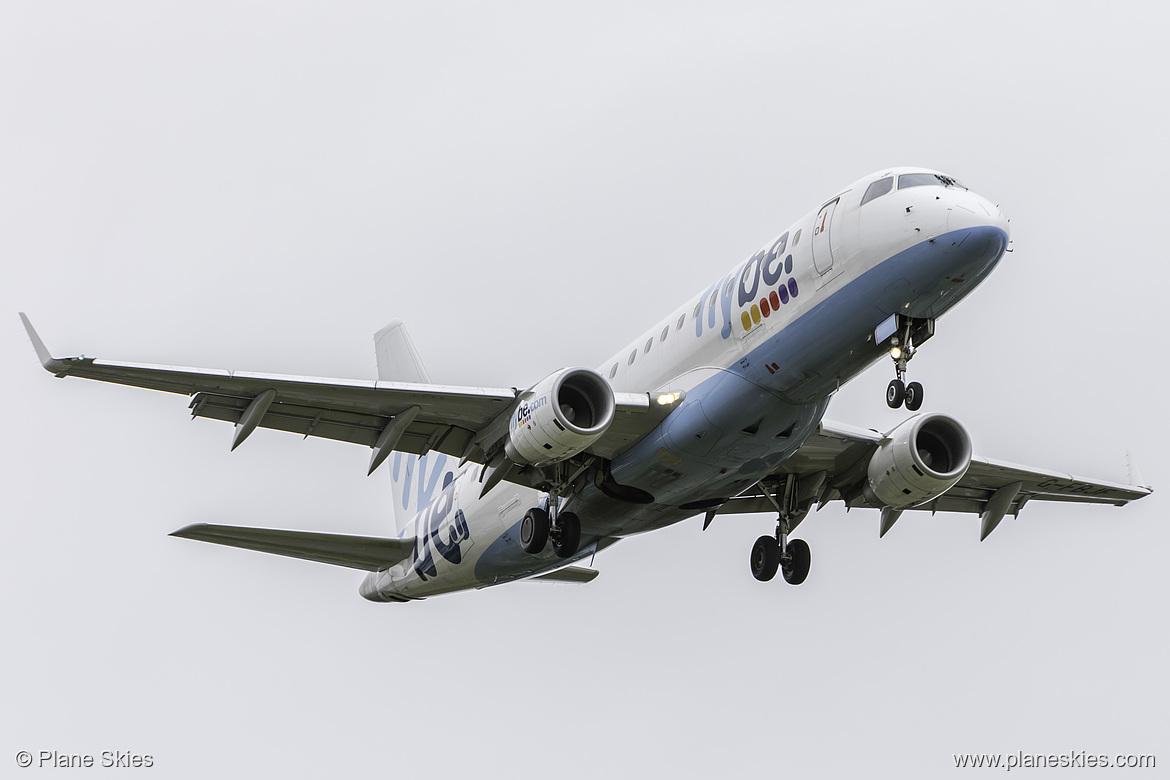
{"points": [[415, 481], [398, 361]]}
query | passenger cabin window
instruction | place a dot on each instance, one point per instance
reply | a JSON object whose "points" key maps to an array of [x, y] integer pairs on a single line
{"points": [[681, 319], [665, 333], [698, 308], [796, 238], [877, 189], [633, 355], [613, 371], [649, 343]]}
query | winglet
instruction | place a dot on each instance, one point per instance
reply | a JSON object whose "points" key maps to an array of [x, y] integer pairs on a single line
{"points": [[47, 360], [38, 345], [1135, 476]]}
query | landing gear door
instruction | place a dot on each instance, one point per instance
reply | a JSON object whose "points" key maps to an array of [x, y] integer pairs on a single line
{"points": [[822, 248]]}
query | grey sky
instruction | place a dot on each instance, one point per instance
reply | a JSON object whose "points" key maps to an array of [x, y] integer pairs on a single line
{"points": [[262, 186]]}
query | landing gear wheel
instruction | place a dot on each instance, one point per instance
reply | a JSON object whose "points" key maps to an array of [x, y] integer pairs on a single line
{"points": [[534, 530], [895, 392], [795, 569], [914, 396], [765, 558], [567, 535]]}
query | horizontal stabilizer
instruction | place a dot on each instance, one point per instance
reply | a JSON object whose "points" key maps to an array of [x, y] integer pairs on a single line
{"points": [[356, 552], [575, 574]]}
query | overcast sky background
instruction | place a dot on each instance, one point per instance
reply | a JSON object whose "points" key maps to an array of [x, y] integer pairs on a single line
{"points": [[261, 186]]}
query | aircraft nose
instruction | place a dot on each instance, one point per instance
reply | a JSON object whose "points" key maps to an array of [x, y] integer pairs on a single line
{"points": [[971, 211]]}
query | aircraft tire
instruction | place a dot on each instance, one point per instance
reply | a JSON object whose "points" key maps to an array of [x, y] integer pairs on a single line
{"points": [[914, 396], [895, 393], [765, 558], [795, 569], [568, 537], [534, 530]]}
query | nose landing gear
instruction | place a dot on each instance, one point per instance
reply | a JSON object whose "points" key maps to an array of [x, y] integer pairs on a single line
{"points": [[792, 558], [902, 349]]}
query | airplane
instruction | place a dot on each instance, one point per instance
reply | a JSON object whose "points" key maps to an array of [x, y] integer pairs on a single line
{"points": [[718, 408]]}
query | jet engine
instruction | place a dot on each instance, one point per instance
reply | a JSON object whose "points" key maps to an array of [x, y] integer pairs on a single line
{"points": [[918, 461], [562, 415]]}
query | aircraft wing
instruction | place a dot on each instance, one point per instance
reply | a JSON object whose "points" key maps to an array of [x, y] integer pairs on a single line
{"points": [[832, 464], [464, 422], [356, 552]]}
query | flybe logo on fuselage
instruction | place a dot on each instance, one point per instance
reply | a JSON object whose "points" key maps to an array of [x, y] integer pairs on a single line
{"points": [[765, 283], [416, 479], [441, 531]]}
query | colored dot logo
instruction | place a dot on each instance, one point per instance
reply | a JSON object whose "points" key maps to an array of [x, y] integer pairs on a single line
{"points": [[768, 304], [785, 291]]}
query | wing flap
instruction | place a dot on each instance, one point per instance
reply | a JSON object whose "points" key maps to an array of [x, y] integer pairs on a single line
{"points": [[355, 552], [335, 424], [471, 406]]}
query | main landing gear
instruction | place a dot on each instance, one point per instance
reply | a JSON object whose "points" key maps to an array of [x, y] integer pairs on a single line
{"points": [[563, 529], [902, 348], [537, 528], [791, 557]]}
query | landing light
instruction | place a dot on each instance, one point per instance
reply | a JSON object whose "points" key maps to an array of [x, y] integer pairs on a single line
{"points": [[896, 353], [666, 399]]}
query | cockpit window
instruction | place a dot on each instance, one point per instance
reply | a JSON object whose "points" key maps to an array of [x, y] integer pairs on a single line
{"points": [[877, 189], [920, 179]]}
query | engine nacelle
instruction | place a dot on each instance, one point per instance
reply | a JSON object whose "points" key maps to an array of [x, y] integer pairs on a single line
{"points": [[920, 460], [565, 413]]}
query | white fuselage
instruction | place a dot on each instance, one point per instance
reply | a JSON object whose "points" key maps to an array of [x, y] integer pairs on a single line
{"points": [[758, 353]]}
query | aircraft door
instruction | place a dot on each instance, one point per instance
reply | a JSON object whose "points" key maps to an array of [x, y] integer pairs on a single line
{"points": [[821, 247]]}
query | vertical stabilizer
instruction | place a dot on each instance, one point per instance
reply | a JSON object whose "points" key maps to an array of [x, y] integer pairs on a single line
{"points": [[398, 361], [415, 481], [418, 481]]}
